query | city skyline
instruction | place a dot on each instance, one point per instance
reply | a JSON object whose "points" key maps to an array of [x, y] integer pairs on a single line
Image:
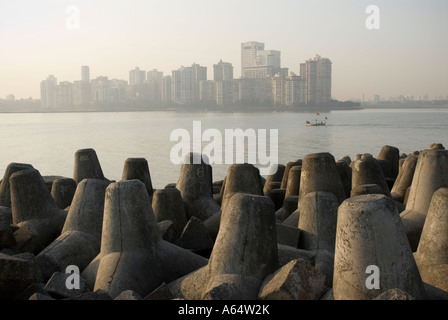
{"points": [[264, 83], [406, 56]]}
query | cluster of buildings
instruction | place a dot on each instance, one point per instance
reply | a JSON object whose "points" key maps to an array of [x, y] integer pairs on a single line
{"points": [[263, 81]]}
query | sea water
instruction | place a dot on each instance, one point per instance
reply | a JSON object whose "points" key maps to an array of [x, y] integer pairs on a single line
{"points": [[48, 141]]}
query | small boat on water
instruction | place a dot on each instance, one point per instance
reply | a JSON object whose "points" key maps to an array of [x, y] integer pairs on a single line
{"points": [[315, 123]]}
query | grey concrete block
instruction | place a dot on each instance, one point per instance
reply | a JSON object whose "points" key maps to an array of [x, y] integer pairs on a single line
{"points": [[297, 280]]}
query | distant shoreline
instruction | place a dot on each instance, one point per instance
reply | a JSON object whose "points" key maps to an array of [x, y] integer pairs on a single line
{"points": [[30, 107]]}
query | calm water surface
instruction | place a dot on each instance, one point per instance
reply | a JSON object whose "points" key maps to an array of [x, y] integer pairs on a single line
{"points": [[49, 141]]}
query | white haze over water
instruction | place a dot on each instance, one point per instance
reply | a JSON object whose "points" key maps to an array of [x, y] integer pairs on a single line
{"points": [[48, 141]]}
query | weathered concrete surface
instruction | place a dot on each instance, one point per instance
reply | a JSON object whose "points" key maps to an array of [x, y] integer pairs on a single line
{"points": [[34, 211], [240, 178], [317, 224], [87, 166], [404, 178], [195, 237], [63, 190], [137, 262], [6, 229], [366, 170], [293, 181], [57, 287], [247, 225], [369, 233], [345, 172], [432, 252], [297, 280], [245, 252], [392, 155], [366, 189], [167, 204], [16, 275], [431, 173], [128, 295], [138, 168], [289, 206], [277, 196], [196, 187], [288, 167], [394, 294], [131, 242], [274, 178], [319, 173], [82, 229], [5, 194]]}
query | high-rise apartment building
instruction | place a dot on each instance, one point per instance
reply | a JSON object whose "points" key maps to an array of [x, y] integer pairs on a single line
{"points": [[137, 76], [222, 71], [154, 84], [82, 89], [249, 54], [224, 92], [199, 74], [64, 94], [108, 90], [176, 86], [82, 93], [258, 63], [185, 83], [48, 92], [165, 92], [85, 73], [154, 75], [207, 90], [318, 80], [295, 90]]}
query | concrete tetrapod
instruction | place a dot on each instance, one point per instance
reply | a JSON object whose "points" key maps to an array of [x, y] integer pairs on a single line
{"points": [[196, 187], [245, 252], [5, 194], [286, 175], [137, 168], [80, 239], [391, 154], [317, 224], [87, 166], [63, 191], [240, 178], [274, 178], [34, 211], [432, 252], [372, 254], [366, 189], [133, 255], [431, 173], [319, 173], [167, 204], [293, 181], [291, 193], [345, 172], [404, 178], [366, 170]]}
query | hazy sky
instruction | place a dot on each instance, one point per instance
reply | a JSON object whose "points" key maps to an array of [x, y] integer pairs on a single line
{"points": [[408, 55]]}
